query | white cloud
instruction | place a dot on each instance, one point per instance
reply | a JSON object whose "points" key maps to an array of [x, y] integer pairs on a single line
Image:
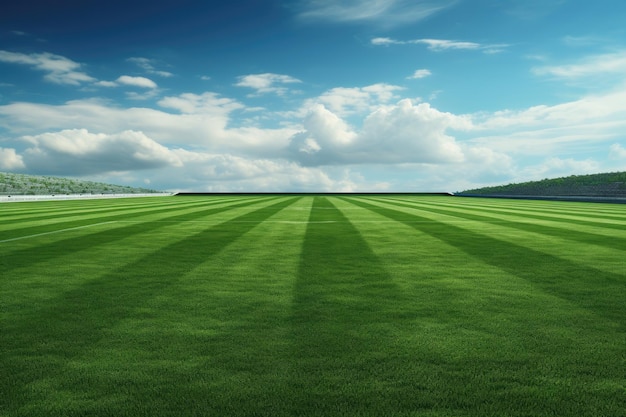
{"points": [[577, 41], [220, 172], [400, 133], [596, 65], [324, 137], [267, 83], [345, 101], [570, 130], [384, 12], [10, 160], [60, 70], [197, 142], [601, 112], [79, 152], [420, 73], [439, 45], [107, 84], [210, 103], [385, 41], [442, 44], [198, 121], [141, 82], [555, 167], [148, 66], [617, 151]]}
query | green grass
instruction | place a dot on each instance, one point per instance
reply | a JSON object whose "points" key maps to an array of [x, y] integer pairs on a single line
{"points": [[312, 306]]}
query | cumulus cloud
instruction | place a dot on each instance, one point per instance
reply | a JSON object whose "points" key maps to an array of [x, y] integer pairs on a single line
{"points": [[197, 142], [222, 172], [10, 160], [345, 101], [439, 45], [59, 69], [399, 133], [79, 152], [190, 120], [226, 172], [324, 138], [267, 83], [384, 12]]}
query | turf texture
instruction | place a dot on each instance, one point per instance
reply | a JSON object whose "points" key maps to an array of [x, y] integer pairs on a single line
{"points": [[355, 305]]}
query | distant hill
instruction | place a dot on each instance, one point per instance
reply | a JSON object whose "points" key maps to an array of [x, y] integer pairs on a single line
{"points": [[611, 184], [20, 184]]}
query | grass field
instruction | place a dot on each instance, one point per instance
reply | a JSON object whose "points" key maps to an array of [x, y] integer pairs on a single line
{"points": [[312, 306]]}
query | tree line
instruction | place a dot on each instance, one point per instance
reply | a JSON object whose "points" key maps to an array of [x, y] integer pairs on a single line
{"points": [[611, 184], [22, 184]]}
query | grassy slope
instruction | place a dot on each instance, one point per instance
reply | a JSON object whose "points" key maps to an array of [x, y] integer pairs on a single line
{"points": [[611, 184], [21, 184], [312, 306]]}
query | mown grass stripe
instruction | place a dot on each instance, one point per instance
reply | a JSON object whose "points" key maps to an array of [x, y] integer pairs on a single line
{"points": [[38, 347], [345, 358], [599, 291], [587, 218], [485, 342], [600, 210], [604, 256], [38, 282], [30, 226], [28, 256], [577, 211], [45, 207], [46, 210], [217, 315], [218, 341], [56, 231], [567, 232]]}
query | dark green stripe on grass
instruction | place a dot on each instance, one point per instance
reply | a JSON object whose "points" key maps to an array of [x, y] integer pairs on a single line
{"points": [[346, 310]]}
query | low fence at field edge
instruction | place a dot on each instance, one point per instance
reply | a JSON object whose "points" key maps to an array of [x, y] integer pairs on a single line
{"points": [[580, 198], [24, 198]]}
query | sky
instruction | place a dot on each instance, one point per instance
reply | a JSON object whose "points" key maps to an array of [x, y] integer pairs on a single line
{"points": [[312, 95]]}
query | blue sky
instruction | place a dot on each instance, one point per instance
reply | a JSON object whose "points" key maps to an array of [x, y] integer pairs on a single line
{"points": [[313, 95]]}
